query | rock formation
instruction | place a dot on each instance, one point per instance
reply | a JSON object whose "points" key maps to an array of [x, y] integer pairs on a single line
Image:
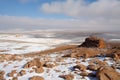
{"points": [[93, 42]]}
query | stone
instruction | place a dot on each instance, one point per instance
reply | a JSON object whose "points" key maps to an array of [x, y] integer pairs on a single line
{"points": [[49, 65], [107, 73], [35, 62], [39, 70], [67, 77], [92, 67], [14, 78], [80, 67], [12, 73], [22, 72], [84, 73], [36, 78], [2, 75]]}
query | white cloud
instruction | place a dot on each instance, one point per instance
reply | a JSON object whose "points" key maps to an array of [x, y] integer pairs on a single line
{"points": [[80, 9], [27, 23]]}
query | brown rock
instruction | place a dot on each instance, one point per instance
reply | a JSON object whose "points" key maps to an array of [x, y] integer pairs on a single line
{"points": [[73, 55], [102, 63], [2, 72], [116, 56], [22, 72], [92, 67], [2, 75], [49, 65], [84, 74], [93, 42], [39, 70], [31, 71], [11, 74], [67, 77], [107, 73], [36, 62], [80, 67], [36, 78], [14, 78]]}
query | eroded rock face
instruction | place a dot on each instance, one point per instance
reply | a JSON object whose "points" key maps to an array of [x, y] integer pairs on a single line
{"points": [[93, 42], [36, 78], [67, 77], [107, 73]]}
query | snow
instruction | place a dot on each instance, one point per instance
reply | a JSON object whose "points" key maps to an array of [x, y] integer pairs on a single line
{"points": [[116, 40], [21, 44], [65, 67]]}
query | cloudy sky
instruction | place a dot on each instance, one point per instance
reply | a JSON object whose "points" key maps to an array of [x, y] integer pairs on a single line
{"points": [[85, 15]]}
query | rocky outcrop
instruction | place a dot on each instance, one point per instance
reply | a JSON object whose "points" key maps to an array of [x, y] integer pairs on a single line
{"points": [[85, 52], [107, 73], [36, 78], [93, 42]]}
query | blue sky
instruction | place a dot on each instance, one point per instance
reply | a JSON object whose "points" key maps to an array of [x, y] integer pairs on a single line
{"points": [[28, 8], [58, 14]]}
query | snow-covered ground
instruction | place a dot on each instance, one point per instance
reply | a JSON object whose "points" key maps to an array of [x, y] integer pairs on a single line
{"points": [[20, 44], [64, 68]]}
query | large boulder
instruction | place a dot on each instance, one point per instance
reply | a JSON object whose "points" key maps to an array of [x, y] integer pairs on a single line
{"points": [[93, 42], [107, 73]]}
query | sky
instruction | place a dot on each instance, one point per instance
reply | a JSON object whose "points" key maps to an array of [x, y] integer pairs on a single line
{"points": [[84, 15]]}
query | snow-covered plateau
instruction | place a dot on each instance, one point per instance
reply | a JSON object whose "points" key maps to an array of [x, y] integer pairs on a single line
{"points": [[21, 44]]}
